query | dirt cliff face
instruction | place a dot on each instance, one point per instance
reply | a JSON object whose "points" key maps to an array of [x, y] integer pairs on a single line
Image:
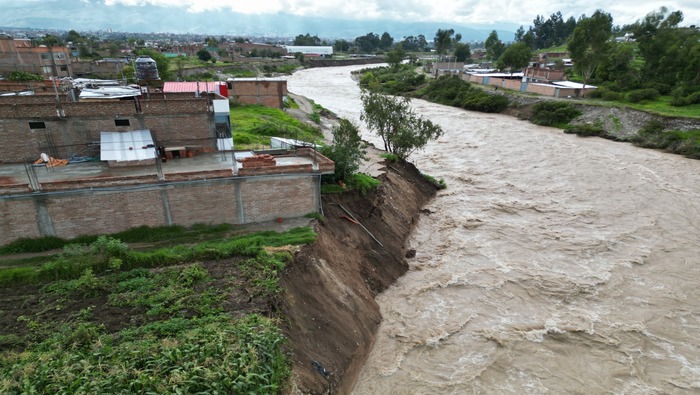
{"points": [[330, 288]]}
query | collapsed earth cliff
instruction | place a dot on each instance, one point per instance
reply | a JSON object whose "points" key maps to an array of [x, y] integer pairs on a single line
{"points": [[329, 289]]}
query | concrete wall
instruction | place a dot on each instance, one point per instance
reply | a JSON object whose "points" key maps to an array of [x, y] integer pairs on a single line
{"points": [[70, 213]]}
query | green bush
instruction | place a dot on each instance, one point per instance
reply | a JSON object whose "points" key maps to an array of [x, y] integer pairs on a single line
{"points": [[551, 113], [612, 96], [453, 91], [24, 245], [585, 130], [639, 95], [484, 102]]}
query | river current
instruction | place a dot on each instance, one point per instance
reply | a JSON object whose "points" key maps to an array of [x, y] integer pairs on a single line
{"points": [[551, 263]]}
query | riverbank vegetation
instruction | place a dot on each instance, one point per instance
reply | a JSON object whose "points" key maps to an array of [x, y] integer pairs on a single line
{"points": [[102, 317]]}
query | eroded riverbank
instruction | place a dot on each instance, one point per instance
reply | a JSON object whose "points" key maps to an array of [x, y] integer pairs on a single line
{"points": [[551, 262]]}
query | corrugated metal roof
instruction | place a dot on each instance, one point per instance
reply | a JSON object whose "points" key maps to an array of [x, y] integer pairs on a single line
{"points": [[127, 146], [170, 87]]}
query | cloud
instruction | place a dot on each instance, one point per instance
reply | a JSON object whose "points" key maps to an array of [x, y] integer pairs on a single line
{"points": [[458, 12]]}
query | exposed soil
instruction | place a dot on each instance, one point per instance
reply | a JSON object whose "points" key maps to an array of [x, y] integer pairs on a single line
{"points": [[329, 294]]}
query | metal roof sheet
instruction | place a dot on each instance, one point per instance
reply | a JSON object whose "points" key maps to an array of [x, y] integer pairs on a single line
{"points": [[170, 86], [127, 146]]}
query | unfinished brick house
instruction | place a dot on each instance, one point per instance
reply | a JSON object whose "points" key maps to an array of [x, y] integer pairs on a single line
{"points": [[195, 175]]}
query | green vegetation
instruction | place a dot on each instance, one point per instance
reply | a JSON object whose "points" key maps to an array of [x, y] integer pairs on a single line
{"points": [[399, 80], [553, 113], [678, 142], [586, 130], [24, 76], [439, 184], [347, 150], [101, 255], [180, 337], [391, 158], [401, 129], [141, 234], [453, 91], [363, 183], [253, 125]]}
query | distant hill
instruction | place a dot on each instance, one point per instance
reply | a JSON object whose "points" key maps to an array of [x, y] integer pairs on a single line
{"points": [[92, 15]]}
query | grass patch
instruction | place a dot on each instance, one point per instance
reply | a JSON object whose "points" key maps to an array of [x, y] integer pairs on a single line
{"points": [[253, 125], [391, 158], [109, 254], [141, 234], [332, 188], [439, 184], [364, 183]]}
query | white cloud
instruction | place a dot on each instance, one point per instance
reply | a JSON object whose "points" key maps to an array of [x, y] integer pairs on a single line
{"points": [[460, 12]]}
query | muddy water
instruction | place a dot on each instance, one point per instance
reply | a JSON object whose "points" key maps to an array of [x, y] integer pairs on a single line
{"points": [[551, 264]]}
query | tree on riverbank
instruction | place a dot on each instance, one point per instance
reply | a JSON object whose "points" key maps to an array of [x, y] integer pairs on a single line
{"points": [[401, 129]]}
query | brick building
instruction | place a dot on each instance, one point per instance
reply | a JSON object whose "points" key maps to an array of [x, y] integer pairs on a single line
{"points": [[197, 183], [30, 125], [19, 55]]}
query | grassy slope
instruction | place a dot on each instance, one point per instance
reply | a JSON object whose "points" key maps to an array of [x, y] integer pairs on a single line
{"points": [[253, 125]]}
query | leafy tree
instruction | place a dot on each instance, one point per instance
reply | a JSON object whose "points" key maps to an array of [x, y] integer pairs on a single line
{"points": [[347, 150], [307, 40], [341, 45], [494, 46], [589, 45], [204, 55], [113, 49], [368, 43], [395, 57], [443, 40], [416, 44], [515, 57], [386, 41], [462, 52], [519, 34], [129, 73], [618, 66], [73, 36], [670, 51], [84, 51], [401, 129]]}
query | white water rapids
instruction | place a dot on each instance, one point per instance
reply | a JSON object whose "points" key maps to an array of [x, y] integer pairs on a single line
{"points": [[551, 263]]}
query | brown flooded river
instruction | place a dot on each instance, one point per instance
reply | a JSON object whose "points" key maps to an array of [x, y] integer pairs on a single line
{"points": [[551, 263]]}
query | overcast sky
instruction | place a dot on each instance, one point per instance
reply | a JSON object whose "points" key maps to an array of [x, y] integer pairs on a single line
{"points": [[462, 12]]}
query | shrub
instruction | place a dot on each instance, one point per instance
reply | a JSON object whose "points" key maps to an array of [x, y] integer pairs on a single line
{"points": [[585, 130], [22, 245], [484, 102], [612, 96], [639, 95], [550, 113]]}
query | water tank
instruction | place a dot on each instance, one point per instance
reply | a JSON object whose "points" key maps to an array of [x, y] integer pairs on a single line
{"points": [[146, 68]]}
